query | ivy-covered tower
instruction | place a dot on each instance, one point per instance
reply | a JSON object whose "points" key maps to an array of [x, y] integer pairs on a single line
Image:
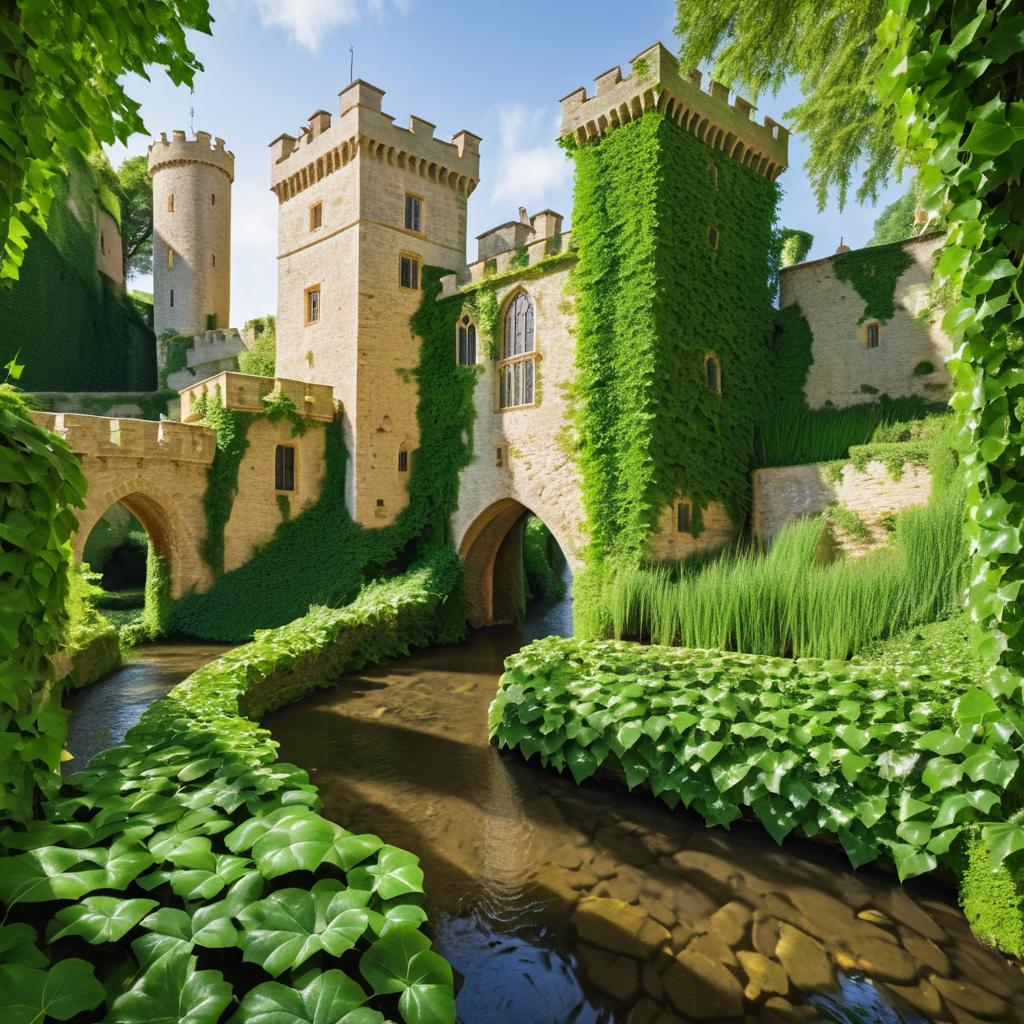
{"points": [[674, 222]]}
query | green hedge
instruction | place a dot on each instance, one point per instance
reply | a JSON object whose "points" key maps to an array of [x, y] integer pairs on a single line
{"points": [[884, 758], [186, 875], [75, 330]]}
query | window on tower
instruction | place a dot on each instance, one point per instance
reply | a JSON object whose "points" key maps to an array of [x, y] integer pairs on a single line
{"points": [[316, 216], [466, 336], [684, 517], [172, 299], [213, 198], [873, 334], [284, 467], [170, 203], [312, 304], [403, 459], [413, 213], [409, 271], [213, 260], [713, 374], [170, 258]]}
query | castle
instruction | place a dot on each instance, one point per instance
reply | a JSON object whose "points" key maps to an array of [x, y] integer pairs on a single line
{"points": [[367, 205]]}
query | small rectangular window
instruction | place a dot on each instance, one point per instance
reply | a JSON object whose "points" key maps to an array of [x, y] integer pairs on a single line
{"points": [[284, 468], [213, 198], [408, 272], [403, 461], [316, 216], [499, 456], [213, 259], [170, 203], [413, 213], [170, 258], [873, 335], [683, 517], [172, 298], [313, 304]]}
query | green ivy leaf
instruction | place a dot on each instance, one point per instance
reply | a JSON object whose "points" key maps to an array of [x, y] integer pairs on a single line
{"points": [[396, 873], [172, 991], [402, 962], [326, 998], [28, 995], [101, 918], [18, 946]]}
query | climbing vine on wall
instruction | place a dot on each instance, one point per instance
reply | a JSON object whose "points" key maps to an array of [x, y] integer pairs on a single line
{"points": [[654, 298], [320, 556], [873, 272], [41, 483]]}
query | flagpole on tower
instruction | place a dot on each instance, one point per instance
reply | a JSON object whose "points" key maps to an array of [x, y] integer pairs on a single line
{"points": [[351, 64]]}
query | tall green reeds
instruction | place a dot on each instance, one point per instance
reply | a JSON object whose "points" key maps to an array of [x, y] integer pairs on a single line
{"points": [[788, 600]]}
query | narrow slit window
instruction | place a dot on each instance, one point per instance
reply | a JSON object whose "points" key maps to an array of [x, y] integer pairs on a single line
{"points": [[170, 203], [467, 341], [713, 374], [316, 216], [170, 258], [213, 260], [413, 214], [213, 198], [409, 272], [713, 237], [403, 460], [713, 174], [313, 304], [684, 517], [172, 298], [284, 467], [874, 333]]}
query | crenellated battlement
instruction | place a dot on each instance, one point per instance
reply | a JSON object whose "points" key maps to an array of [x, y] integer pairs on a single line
{"points": [[324, 146], [101, 436], [179, 149], [656, 83], [245, 392]]}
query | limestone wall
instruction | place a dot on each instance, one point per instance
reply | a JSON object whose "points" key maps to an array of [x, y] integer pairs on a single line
{"points": [[785, 493], [843, 364], [669, 544], [109, 247], [538, 471]]}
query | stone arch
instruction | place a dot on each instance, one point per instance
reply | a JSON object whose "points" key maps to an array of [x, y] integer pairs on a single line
{"points": [[157, 511], [491, 549]]}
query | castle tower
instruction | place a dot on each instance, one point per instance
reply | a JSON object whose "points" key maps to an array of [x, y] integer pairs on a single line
{"points": [[365, 206], [191, 232]]}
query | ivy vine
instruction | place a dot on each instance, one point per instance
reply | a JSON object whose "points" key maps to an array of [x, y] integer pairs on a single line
{"points": [[873, 273]]}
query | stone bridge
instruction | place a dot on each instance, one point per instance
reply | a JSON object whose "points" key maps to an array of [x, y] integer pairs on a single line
{"points": [[157, 471]]}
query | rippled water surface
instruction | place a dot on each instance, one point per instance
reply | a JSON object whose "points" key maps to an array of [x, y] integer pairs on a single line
{"points": [[559, 903], [102, 713]]}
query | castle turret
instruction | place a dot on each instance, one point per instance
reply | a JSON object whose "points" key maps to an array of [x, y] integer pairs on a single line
{"points": [[191, 232]]}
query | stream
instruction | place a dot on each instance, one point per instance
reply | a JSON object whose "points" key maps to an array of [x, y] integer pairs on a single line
{"points": [[559, 904]]}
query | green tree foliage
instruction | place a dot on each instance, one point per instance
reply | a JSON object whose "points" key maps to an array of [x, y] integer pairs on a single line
{"points": [[62, 93], [794, 246], [940, 84], [261, 356], [896, 221], [135, 191]]}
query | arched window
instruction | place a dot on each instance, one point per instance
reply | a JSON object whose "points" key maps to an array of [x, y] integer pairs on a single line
{"points": [[284, 467], [872, 334], [713, 237], [516, 369], [466, 337], [713, 374], [684, 517]]}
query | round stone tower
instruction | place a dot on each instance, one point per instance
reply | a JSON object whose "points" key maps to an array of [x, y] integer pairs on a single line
{"points": [[191, 232]]}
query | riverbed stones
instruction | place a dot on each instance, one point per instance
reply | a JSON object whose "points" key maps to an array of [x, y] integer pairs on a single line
{"points": [[615, 974], [730, 923], [906, 911], [873, 916], [702, 989], [923, 997], [764, 934], [925, 951], [651, 983], [804, 960], [823, 913], [970, 997], [619, 927], [764, 976], [714, 947], [884, 960]]}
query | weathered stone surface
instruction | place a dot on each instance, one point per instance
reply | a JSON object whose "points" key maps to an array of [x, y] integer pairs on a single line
{"points": [[650, 981], [570, 858], [765, 934], [613, 973], [698, 863], [873, 916], [907, 912], [763, 975], [583, 879], [619, 927], [604, 867], [691, 903], [805, 960], [925, 952], [701, 989], [714, 948], [827, 915], [620, 888], [643, 1012], [781, 1011], [970, 997], [884, 960], [661, 913], [923, 997], [730, 923]]}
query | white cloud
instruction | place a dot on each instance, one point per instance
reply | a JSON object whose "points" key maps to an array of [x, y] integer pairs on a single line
{"points": [[530, 164], [308, 22]]}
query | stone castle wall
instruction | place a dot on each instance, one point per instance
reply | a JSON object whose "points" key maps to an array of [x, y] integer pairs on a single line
{"points": [[844, 367], [785, 493]]}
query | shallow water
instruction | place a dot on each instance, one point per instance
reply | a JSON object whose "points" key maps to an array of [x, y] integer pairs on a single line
{"points": [[102, 713], [682, 922]]}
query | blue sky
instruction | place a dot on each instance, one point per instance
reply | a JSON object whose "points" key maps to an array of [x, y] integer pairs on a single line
{"points": [[497, 69]]}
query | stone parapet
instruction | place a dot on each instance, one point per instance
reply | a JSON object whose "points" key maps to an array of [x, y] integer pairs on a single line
{"points": [[495, 266], [100, 436], [325, 146], [180, 149], [655, 83], [244, 392]]}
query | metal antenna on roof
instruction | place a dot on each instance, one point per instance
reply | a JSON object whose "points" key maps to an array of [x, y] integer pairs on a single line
{"points": [[192, 112], [351, 64]]}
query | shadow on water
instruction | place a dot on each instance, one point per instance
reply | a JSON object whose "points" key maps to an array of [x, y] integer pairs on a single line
{"points": [[102, 713], [690, 918]]}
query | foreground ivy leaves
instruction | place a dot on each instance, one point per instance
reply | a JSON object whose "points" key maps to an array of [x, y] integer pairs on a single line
{"points": [[328, 998], [101, 918], [29, 995], [877, 755], [402, 961], [172, 991], [289, 926]]}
